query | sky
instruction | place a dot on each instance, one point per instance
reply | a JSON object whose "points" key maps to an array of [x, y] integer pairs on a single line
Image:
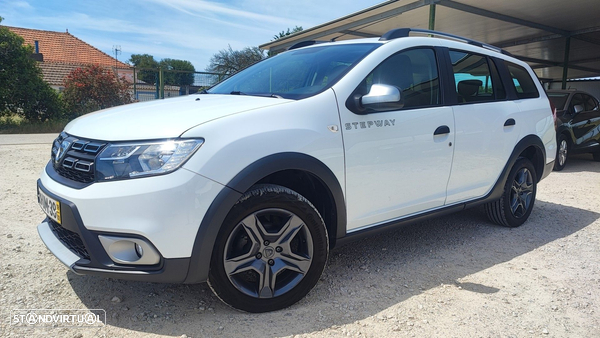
{"points": [[190, 30]]}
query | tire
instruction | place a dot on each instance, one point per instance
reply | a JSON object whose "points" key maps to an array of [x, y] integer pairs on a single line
{"points": [[562, 151], [270, 251], [518, 198], [596, 156]]}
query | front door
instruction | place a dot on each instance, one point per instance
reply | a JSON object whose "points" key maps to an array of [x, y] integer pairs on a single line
{"points": [[395, 165], [586, 123]]}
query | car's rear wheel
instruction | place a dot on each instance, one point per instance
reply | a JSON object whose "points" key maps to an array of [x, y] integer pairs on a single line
{"points": [[596, 156], [562, 151], [270, 252], [518, 198]]}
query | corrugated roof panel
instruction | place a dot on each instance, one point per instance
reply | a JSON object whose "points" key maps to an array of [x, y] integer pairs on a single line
{"points": [[532, 29]]}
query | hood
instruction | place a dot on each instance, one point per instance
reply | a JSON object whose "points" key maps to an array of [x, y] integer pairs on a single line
{"points": [[167, 118]]}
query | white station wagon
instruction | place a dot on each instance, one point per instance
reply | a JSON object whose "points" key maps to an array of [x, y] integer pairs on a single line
{"points": [[251, 183]]}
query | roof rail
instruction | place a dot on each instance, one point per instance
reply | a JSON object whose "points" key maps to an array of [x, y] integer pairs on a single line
{"points": [[304, 44], [404, 32]]}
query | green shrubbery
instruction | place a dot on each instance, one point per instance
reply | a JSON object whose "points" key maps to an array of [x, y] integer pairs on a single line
{"points": [[29, 104], [23, 92]]}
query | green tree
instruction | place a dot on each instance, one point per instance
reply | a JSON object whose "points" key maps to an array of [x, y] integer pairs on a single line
{"points": [[178, 72], [92, 88], [229, 61], [283, 34], [22, 89], [147, 65]]}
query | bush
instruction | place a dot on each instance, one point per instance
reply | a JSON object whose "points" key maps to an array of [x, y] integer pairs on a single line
{"points": [[92, 88], [23, 92]]}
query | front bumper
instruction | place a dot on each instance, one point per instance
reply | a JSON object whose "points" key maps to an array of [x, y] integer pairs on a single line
{"points": [[165, 212], [166, 209], [81, 251], [58, 249], [169, 271]]}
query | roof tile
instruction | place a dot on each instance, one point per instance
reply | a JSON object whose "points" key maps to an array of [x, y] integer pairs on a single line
{"points": [[64, 47]]}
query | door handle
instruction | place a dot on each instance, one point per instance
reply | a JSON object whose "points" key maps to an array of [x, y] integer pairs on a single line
{"points": [[441, 130], [510, 122]]}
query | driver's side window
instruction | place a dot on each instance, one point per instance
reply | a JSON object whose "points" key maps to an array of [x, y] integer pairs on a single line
{"points": [[414, 72], [577, 100]]}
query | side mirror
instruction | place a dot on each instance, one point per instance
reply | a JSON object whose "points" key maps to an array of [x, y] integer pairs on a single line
{"points": [[578, 108], [381, 97]]}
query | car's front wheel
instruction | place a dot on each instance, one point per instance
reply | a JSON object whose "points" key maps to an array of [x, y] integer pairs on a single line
{"points": [[516, 203], [270, 252]]}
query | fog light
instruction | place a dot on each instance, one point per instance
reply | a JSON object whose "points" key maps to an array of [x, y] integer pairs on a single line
{"points": [[133, 251]]}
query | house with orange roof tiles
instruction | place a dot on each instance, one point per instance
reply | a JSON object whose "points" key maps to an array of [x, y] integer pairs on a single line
{"points": [[59, 53]]}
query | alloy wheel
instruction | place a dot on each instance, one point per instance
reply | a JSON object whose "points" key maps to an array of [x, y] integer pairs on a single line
{"points": [[521, 193], [562, 152], [268, 253]]}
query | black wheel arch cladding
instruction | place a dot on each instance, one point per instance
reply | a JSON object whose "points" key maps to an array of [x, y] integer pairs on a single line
{"points": [[249, 176]]}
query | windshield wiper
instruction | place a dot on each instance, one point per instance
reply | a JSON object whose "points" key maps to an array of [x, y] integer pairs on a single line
{"points": [[236, 92]]}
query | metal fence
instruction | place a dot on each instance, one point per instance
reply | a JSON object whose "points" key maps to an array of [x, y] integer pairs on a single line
{"points": [[152, 84]]}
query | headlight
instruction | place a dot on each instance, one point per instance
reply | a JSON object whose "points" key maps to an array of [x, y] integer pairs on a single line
{"points": [[132, 160]]}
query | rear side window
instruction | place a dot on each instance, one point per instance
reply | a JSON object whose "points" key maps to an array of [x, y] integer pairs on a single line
{"points": [[524, 84], [475, 77]]}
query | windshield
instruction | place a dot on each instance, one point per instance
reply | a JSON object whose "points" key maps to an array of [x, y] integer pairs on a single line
{"points": [[558, 99], [296, 74]]}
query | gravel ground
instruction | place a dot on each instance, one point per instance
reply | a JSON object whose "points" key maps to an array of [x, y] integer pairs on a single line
{"points": [[457, 276]]}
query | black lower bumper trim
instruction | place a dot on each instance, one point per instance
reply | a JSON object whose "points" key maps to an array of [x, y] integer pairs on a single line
{"points": [[174, 270]]}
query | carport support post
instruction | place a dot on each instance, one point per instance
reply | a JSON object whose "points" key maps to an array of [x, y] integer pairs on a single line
{"points": [[566, 62], [135, 96], [432, 17], [161, 76]]}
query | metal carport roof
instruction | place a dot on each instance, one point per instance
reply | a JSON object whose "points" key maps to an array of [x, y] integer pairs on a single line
{"points": [[545, 33]]}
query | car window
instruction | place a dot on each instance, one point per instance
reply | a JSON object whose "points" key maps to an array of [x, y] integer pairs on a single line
{"points": [[296, 74], [475, 78], [522, 81], [558, 99], [577, 99], [414, 72], [590, 103]]}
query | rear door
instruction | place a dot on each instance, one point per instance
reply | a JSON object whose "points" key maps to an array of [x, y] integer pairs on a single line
{"points": [[487, 126]]}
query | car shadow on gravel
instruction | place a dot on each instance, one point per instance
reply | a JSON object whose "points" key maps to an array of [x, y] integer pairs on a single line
{"points": [[361, 280]]}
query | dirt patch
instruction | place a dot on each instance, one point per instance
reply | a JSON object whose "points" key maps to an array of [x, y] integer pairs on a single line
{"points": [[457, 276]]}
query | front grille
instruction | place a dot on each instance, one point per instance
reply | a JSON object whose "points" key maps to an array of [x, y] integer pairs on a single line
{"points": [[70, 239], [75, 175], [74, 158]]}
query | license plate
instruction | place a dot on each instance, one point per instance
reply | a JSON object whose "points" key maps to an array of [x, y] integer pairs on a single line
{"points": [[50, 206]]}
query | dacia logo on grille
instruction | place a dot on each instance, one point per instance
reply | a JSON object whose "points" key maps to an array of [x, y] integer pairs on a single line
{"points": [[61, 151]]}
